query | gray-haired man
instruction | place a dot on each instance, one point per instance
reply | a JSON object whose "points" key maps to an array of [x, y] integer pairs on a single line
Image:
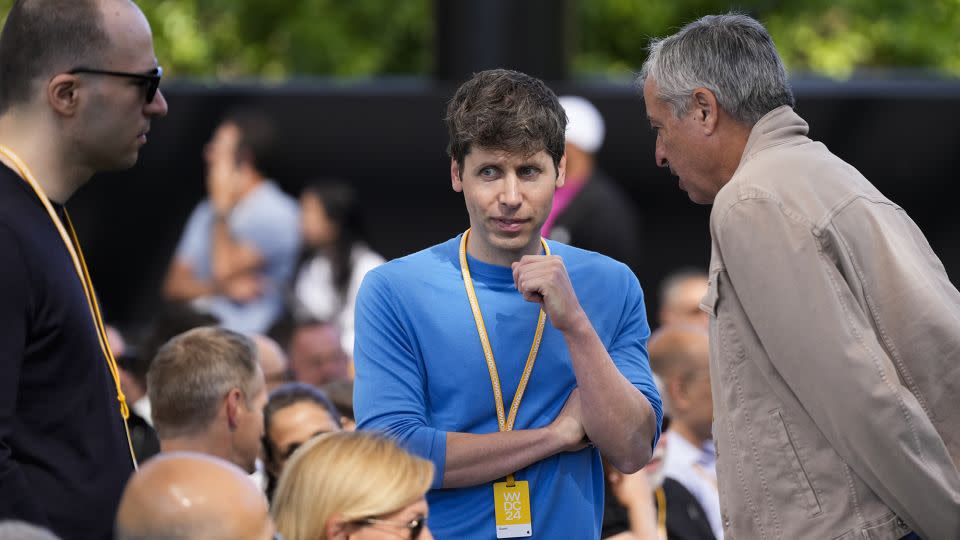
{"points": [[835, 332]]}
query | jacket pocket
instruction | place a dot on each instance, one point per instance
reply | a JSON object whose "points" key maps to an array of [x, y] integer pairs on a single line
{"points": [[708, 303], [804, 493]]}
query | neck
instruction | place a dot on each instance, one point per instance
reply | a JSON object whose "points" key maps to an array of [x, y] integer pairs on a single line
{"points": [[688, 433], [43, 153], [203, 444], [250, 180], [732, 152]]}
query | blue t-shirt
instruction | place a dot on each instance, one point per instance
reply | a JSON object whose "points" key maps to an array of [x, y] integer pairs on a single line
{"points": [[421, 373], [267, 219]]}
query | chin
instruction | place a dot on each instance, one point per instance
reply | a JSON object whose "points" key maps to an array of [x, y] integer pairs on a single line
{"points": [[514, 244], [118, 163]]}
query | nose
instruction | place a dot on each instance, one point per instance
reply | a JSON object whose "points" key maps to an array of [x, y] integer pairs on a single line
{"points": [[157, 107], [510, 195], [660, 156]]}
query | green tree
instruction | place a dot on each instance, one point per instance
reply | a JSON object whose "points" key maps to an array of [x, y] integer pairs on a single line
{"points": [[278, 39], [828, 37]]}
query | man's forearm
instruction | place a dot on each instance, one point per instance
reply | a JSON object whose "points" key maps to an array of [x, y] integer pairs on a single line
{"points": [[229, 257], [181, 284], [616, 416], [478, 459]]}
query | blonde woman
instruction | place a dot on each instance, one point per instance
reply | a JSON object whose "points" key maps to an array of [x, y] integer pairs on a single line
{"points": [[357, 486]]}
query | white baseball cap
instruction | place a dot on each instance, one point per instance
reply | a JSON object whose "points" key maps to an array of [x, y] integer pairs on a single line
{"points": [[585, 127]]}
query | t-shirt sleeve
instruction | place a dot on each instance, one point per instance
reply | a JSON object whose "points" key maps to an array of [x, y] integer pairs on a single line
{"points": [[390, 385], [629, 346], [194, 245], [16, 500], [272, 227]]}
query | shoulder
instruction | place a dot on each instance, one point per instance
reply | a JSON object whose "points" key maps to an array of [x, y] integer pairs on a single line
{"points": [[587, 264], [271, 197], [17, 202], [417, 269], [201, 213]]}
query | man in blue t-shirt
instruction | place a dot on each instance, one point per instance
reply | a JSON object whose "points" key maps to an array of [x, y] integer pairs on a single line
{"points": [[508, 361]]}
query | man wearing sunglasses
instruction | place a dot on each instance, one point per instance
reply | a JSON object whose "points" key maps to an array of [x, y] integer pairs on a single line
{"points": [[78, 92]]}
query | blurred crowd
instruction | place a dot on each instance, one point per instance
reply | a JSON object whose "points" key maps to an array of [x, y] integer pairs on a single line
{"points": [[243, 382]]}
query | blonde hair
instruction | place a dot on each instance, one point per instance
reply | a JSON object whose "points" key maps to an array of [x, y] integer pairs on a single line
{"points": [[351, 474]]}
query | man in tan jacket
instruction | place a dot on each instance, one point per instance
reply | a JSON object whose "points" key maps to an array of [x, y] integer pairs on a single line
{"points": [[835, 331]]}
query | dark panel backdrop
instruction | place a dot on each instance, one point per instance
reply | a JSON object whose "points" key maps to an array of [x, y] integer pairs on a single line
{"points": [[387, 138]]}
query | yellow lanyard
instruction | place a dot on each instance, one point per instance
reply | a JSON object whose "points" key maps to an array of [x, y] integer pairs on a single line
{"points": [[72, 244], [505, 423], [661, 513]]}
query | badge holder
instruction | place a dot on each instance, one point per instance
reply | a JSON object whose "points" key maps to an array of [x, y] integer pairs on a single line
{"points": [[512, 505]]}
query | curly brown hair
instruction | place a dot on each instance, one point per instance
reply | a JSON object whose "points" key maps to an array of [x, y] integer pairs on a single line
{"points": [[506, 110]]}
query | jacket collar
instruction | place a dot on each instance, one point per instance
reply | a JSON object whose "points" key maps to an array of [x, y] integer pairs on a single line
{"points": [[777, 127]]}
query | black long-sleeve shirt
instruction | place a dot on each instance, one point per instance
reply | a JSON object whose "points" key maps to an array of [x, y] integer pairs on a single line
{"points": [[63, 454]]}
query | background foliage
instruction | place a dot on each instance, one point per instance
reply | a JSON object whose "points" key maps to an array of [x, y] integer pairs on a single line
{"points": [[277, 39]]}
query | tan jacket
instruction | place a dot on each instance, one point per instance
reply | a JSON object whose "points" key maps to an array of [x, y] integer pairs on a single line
{"points": [[835, 352]]}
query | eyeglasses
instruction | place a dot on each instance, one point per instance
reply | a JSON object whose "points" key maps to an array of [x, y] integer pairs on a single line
{"points": [[150, 81], [415, 525]]}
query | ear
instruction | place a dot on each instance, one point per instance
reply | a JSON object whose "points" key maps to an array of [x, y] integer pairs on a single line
{"points": [[562, 171], [455, 179], [677, 392], [336, 528], [63, 94], [233, 403], [705, 108]]}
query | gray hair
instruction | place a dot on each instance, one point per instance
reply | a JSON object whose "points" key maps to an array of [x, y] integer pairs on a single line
{"points": [[731, 55], [191, 375], [18, 530]]}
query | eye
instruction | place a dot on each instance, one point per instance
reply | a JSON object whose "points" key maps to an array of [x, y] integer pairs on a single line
{"points": [[488, 172], [528, 171]]}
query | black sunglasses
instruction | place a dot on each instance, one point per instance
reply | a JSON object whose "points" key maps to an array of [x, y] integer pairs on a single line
{"points": [[415, 525], [150, 80]]}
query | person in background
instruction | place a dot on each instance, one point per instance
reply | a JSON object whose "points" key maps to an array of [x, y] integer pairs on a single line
{"points": [[355, 485], [834, 328], [79, 90], [341, 394], [273, 361], [294, 414], [680, 295], [680, 356], [316, 354], [649, 505], [208, 394], [189, 496], [334, 258], [144, 439], [239, 246], [591, 211], [172, 320]]}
